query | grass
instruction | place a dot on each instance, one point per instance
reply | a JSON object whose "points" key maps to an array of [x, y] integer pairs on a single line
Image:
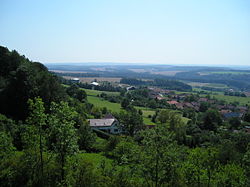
{"points": [[216, 85], [227, 98], [96, 92], [95, 158], [116, 107], [99, 102]]}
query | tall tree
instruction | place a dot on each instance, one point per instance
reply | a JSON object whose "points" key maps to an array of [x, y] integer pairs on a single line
{"points": [[37, 118], [159, 157], [131, 121], [63, 134]]}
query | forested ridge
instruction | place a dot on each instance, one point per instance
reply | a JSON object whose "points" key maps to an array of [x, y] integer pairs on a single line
{"points": [[45, 138], [163, 83]]}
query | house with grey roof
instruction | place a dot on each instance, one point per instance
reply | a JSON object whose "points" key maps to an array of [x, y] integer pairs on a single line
{"points": [[109, 125]]}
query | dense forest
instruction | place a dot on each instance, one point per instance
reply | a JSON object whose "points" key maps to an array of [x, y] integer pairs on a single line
{"points": [[162, 83], [45, 138]]}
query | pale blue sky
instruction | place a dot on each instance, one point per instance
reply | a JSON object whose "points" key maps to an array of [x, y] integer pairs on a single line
{"points": [[145, 31]]}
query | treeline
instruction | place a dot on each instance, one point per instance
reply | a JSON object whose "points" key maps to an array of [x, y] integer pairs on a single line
{"points": [[76, 74], [104, 86], [239, 81], [238, 94], [163, 83]]}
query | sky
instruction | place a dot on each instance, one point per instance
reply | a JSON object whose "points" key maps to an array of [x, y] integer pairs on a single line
{"points": [[197, 32]]}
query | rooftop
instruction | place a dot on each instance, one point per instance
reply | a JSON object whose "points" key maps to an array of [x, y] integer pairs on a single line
{"points": [[101, 122]]}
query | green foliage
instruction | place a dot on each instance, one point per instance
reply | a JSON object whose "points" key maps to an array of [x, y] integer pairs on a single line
{"points": [[125, 103], [211, 120], [231, 175], [164, 83], [6, 145], [159, 158], [164, 116], [22, 80], [75, 92], [247, 116], [62, 131], [86, 137], [126, 151], [131, 121], [200, 167], [246, 164], [81, 172]]}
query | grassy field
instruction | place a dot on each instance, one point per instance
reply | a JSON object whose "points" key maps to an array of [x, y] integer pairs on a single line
{"points": [[116, 107], [146, 112], [99, 102], [216, 85], [96, 92], [95, 158], [227, 98], [212, 85]]}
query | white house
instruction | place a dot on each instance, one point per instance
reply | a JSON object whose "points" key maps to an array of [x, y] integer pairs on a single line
{"points": [[75, 80], [95, 83], [109, 125]]}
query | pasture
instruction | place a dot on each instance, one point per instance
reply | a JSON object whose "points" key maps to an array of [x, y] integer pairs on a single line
{"points": [[231, 99], [115, 107]]}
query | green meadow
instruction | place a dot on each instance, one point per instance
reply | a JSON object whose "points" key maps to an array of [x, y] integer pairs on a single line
{"points": [[95, 158], [230, 99], [96, 92], [115, 107]]}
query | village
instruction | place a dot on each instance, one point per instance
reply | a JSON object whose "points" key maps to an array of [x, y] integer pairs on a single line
{"points": [[179, 101]]}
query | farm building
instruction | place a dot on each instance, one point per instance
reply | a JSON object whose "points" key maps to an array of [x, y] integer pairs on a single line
{"points": [[75, 80], [109, 125], [95, 83]]}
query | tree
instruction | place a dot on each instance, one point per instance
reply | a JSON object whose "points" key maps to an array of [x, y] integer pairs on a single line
{"points": [[159, 157], [125, 103], [6, 145], [231, 175], [247, 117], [204, 106], [131, 121], [234, 123], [63, 133], [246, 164], [22, 80], [200, 166], [163, 116], [86, 137], [75, 92], [37, 119], [211, 120]]}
